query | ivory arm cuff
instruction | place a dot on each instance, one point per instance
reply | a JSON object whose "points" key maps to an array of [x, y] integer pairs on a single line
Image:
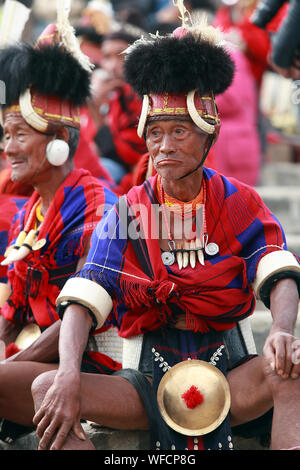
{"points": [[89, 294], [272, 265]]}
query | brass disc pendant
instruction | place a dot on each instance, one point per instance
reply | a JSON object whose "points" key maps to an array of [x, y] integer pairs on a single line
{"points": [[202, 418], [28, 335]]}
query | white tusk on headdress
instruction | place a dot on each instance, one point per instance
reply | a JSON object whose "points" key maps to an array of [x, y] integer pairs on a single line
{"points": [[30, 116], [143, 117], [203, 125]]}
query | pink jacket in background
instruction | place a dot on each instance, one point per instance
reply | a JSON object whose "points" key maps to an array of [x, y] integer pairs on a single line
{"points": [[238, 149]]}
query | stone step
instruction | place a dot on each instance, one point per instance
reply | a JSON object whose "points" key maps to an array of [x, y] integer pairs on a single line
{"points": [[109, 440], [293, 243], [280, 173], [102, 438], [284, 202]]}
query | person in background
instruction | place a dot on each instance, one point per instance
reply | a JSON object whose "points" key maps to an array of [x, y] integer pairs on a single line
{"points": [[285, 51], [239, 135]]}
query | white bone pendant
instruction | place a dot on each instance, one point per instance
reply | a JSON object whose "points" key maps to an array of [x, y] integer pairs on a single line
{"points": [[192, 255], [185, 260], [200, 256], [179, 257]]}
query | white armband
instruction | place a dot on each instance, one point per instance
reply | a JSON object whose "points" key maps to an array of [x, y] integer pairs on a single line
{"points": [[89, 294], [274, 266]]}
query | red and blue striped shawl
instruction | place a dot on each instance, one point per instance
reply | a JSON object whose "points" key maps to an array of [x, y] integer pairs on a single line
{"points": [[36, 281], [146, 293]]}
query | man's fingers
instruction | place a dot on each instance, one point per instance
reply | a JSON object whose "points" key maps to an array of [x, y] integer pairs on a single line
{"points": [[269, 354], [61, 436], [78, 431], [38, 416], [283, 364], [47, 436], [295, 372], [42, 426]]}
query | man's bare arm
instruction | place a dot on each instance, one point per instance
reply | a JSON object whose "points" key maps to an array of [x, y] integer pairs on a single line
{"points": [[59, 413], [278, 349]]}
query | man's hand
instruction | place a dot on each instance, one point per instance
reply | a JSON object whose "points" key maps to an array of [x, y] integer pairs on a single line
{"points": [[59, 413], [280, 351], [292, 72]]}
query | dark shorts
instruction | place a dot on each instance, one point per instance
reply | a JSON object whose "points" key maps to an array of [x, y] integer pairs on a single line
{"points": [[169, 346]]}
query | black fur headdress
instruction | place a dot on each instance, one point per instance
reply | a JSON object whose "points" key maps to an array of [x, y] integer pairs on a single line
{"points": [[50, 70], [178, 65], [190, 63]]}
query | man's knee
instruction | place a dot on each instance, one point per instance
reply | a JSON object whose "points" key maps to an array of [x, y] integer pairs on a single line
{"points": [[41, 384], [281, 388]]}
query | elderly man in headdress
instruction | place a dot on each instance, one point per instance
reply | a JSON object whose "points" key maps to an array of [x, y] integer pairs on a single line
{"points": [[46, 86], [189, 250]]}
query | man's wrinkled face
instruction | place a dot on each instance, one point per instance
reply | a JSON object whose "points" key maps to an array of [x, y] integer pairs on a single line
{"points": [[175, 146], [25, 149]]}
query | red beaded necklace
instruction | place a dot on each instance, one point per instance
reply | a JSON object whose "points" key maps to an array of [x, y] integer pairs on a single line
{"points": [[188, 247]]}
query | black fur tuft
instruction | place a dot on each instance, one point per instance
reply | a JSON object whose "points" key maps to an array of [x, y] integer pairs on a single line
{"points": [[50, 70], [178, 65]]}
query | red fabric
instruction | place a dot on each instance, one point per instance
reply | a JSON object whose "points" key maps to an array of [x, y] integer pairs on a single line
{"points": [[11, 350], [123, 125], [124, 112], [147, 299], [88, 128], [136, 177], [276, 22], [86, 158], [214, 296], [9, 187], [9, 209], [41, 294], [104, 362]]}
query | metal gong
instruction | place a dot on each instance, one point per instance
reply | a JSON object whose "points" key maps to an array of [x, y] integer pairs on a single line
{"points": [[210, 384], [28, 335]]}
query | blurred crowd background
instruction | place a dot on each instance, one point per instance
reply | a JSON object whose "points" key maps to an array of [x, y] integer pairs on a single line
{"points": [[260, 114]]}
